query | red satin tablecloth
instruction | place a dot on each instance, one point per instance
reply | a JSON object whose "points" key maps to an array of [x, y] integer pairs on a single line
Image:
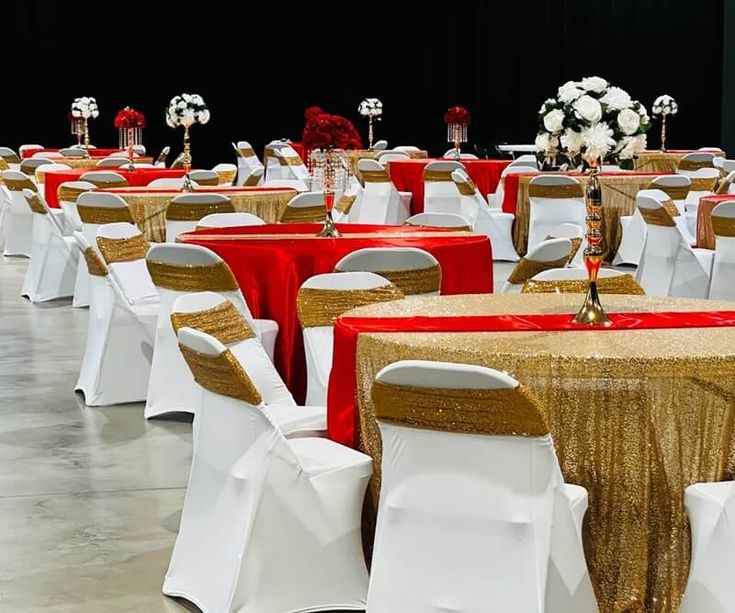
{"points": [[705, 232], [271, 262], [408, 176], [137, 178], [95, 153]]}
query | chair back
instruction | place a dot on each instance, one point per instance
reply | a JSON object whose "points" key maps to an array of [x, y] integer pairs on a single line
{"points": [[9, 156], [112, 162], [204, 177], [574, 281], [308, 207], [548, 254], [226, 173], [440, 220], [723, 265], [380, 202], [186, 210], [553, 200], [72, 152], [380, 145], [229, 220], [173, 183], [161, 159], [29, 165], [105, 179]]}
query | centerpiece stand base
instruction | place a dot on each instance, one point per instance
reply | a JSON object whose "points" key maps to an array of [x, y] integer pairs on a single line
{"points": [[592, 313], [329, 230]]}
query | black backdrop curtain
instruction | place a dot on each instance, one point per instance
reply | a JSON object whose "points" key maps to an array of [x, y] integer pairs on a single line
{"points": [[259, 66]]}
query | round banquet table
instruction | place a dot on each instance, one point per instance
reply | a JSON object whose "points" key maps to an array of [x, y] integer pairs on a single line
{"points": [[91, 162], [408, 176], [636, 415], [148, 205], [271, 262], [139, 177], [662, 161], [95, 153], [705, 233]]}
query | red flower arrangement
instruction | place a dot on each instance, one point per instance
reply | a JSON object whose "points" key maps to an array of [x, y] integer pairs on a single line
{"points": [[324, 130], [129, 118], [457, 115]]}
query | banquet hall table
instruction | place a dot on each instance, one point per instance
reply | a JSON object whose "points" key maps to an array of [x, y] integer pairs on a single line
{"points": [[705, 233], [408, 176], [619, 190], [90, 163], [662, 161], [636, 415], [271, 262], [139, 177], [148, 205], [95, 153]]}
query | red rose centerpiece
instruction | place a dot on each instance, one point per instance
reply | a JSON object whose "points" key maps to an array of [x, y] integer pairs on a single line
{"points": [[130, 124], [457, 119]]}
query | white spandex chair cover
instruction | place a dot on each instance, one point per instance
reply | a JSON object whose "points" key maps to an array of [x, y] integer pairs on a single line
{"points": [[440, 193], [474, 514], [557, 280], [117, 356], [380, 202], [710, 588], [495, 200], [494, 223], [553, 200], [204, 177], [323, 298], [450, 154], [178, 269], [39, 174], [575, 234], [413, 271], [291, 165], [226, 173], [269, 525], [669, 266], [18, 220], [380, 145], [167, 183], [548, 254], [11, 158], [722, 286], [247, 162], [29, 166], [229, 220], [439, 220], [104, 179], [186, 210], [253, 178], [391, 154], [307, 207], [112, 162], [53, 266]]}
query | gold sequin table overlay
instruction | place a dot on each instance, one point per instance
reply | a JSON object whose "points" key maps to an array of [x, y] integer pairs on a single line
{"points": [[658, 161], [149, 208], [618, 199], [636, 417]]}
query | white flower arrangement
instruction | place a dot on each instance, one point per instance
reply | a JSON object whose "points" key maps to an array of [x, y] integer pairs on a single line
{"points": [[186, 110], [664, 105], [590, 121], [371, 107], [84, 108]]}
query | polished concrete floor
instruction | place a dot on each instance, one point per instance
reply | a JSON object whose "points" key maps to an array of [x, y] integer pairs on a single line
{"points": [[90, 498]]}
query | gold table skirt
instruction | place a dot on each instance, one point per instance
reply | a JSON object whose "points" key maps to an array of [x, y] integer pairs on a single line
{"points": [[618, 199], [636, 417], [659, 161], [148, 208], [92, 162]]}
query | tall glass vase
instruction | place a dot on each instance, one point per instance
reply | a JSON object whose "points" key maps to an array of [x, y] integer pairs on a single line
{"points": [[457, 134], [187, 186], [329, 175]]}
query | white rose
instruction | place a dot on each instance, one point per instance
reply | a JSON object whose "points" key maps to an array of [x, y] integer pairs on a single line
{"points": [[598, 142], [626, 148], [617, 99], [572, 141], [588, 109], [181, 104], [76, 113], [594, 84], [187, 117], [542, 142], [204, 116], [629, 121], [554, 120], [569, 92], [95, 113], [186, 97]]}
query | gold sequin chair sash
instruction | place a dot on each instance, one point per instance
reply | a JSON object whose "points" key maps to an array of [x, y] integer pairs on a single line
{"points": [[723, 226], [253, 179], [284, 160], [466, 187], [245, 152], [18, 185], [455, 228], [4, 164], [320, 307], [226, 177], [375, 176], [619, 284], [525, 269], [224, 322], [344, 204], [208, 181], [703, 184], [103, 214], [437, 176], [674, 192], [35, 204], [70, 194], [504, 412], [106, 184], [95, 265], [221, 374], [215, 277], [657, 217], [569, 190], [190, 211], [115, 250], [690, 165], [11, 158], [415, 281], [303, 214]]}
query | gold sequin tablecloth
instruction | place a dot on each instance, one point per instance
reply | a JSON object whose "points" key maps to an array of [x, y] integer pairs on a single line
{"points": [[618, 199], [91, 163], [636, 416], [148, 206], [660, 161]]}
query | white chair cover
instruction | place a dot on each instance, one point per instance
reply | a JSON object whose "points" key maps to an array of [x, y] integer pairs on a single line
{"points": [[553, 200], [227, 173], [185, 211], [439, 220], [495, 200], [474, 514], [19, 220], [380, 202], [380, 145], [722, 286], [306, 207], [204, 177], [291, 165], [112, 162], [229, 220], [575, 234], [104, 178], [440, 193], [167, 183], [269, 525], [551, 253], [247, 163]]}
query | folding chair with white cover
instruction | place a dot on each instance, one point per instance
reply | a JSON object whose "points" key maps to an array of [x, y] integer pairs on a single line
{"points": [[53, 266], [548, 254], [104, 179], [186, 210], [307, 207], [413, 271], [495, 200], [722, 286], [669, 266], [574, 281], [494, 223], [451, 154], [226, 173], [94, 209], [167, 183], [440, 220], [291, 165], [254, 178], [178, 269], [211, 313], [323, 298], [380, 202], [553, 200], [229, 220], [161, 159], [710, 588], [268, 525], [247, 162], [380, 145], [204, 177], [19, 219], [440, 193], [120, 333], [474, 514], [575, 234], [112, 162]]}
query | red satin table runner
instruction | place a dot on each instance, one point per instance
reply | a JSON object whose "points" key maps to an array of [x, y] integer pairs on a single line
{"points": [[342, 419]]}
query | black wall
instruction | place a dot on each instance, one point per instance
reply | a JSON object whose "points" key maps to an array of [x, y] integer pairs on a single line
{"points": [[259, 66]]}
